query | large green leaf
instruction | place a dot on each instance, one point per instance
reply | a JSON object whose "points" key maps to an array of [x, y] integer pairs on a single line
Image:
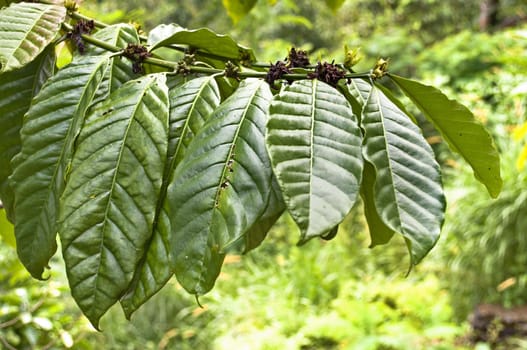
{"points": [[458, 126], [18, 88], [408, 192], [358, 92], [25, 31], [191, 104], [50, 127], [314, 142], [109, 203], [237, 9], [221, 187], [203, 39]]}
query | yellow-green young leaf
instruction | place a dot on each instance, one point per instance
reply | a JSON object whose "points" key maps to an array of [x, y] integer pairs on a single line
{"points": [[191, 104], [221, 187], [7, 232], [109, 203], [408, 193], [25, 31], [48, 134], [237, 9], [18, 88], [314, 142], [460, 129], [334, 5]]}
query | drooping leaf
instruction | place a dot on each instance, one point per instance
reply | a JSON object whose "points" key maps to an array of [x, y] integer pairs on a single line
{"points": [[18, 88], [408, 191], [109, 203], [203, 39], [50, 127], [357, 93], [221, 187], [237, 9], [314, 142], [379, 232], [460, 129], [26, 29], [191, 104]]}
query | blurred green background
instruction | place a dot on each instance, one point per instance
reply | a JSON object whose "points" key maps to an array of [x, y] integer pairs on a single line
{"points": [[338, 294]]}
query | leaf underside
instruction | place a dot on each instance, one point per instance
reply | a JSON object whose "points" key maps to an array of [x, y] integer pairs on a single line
{"points": [[191, 104], [109, 202], [408, 191], [315, 146], [222, 188]]}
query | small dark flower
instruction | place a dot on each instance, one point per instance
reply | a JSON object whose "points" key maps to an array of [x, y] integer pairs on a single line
{"points": [[276, 72], [297, 58], [82, 27], [137, 54], [328, 73]]}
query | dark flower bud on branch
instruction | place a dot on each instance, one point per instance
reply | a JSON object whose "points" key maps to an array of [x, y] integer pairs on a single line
{"points": [[231, 70], [328, 73], [297, 59], [137, 53], [75, 35], [276, 72]]}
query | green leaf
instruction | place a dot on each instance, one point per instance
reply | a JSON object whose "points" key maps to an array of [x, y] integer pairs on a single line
{"points": [[121, 68], [191, 104], [314, 142], [7, 232], [237, 9], [258, 231], [25, 31], [379, 232], [408, 191], [334, 5], [221, 187], [203, 39], [109, 203], [50, 127], [357, 93], [18, 88], [460, 129]]}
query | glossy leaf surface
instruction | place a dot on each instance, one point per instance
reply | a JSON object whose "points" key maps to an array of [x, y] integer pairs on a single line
{"points": [[24, 37], [315, 145], [109, 203], [49, 130]]}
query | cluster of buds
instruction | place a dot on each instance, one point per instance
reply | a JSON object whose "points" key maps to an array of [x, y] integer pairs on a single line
{"points": [[297, 58], [82, 27], [380, 69], [137, 53], [328, 73], [276, 72]]}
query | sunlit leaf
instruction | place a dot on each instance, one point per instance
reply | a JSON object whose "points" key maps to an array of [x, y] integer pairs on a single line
{"points": [[315, 146], [109, 203], [237, 9], [460, 129], [221, 187], [24, 37]]}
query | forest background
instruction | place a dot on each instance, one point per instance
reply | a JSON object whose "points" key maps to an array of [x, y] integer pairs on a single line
{"points": [[336, 295]]}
